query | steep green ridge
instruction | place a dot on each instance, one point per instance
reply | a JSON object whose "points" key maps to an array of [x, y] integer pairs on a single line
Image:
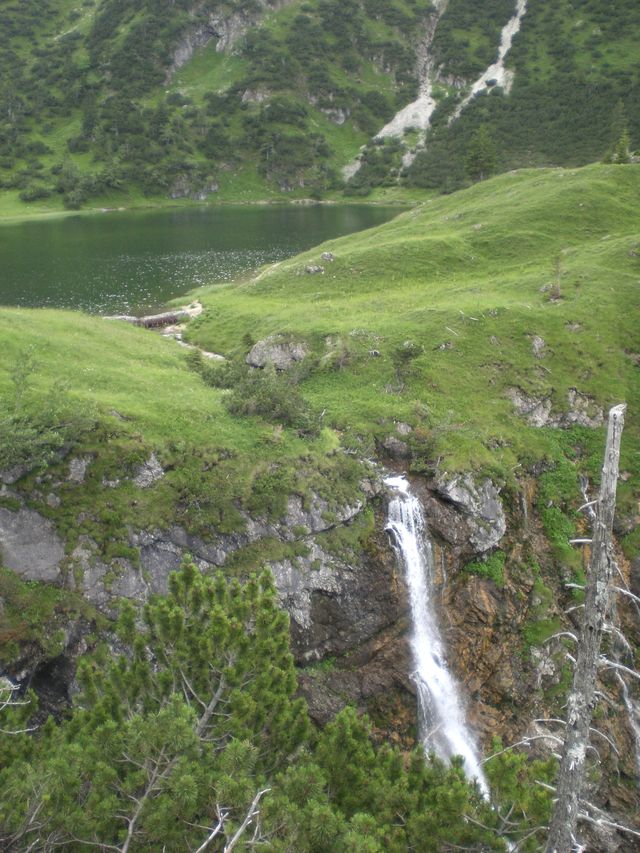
{"points": [[468, 280], [119, 103], [575, 64], [429, 320], [95, 108]]}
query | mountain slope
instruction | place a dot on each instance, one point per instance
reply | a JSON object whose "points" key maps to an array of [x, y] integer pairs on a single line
{"points": [[470, 280], [475, 341], [116, 101]]}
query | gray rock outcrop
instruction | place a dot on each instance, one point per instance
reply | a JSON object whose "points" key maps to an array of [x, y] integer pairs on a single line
{"points": [[13, 474], [335, 605], [582, 410], [277, 350], [78, 468], [225, 27], [29, 545], [149, 473], [480, 506], [538, 346]]}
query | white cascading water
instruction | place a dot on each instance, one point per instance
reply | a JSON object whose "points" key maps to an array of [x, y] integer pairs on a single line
{"points": [[441, 717]]}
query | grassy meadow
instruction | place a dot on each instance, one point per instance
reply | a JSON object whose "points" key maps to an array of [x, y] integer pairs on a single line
{"points": [[427, 320], [469, 280]]}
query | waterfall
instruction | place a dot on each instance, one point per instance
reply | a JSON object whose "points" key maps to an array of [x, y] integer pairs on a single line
{"points": [[440, 715]]}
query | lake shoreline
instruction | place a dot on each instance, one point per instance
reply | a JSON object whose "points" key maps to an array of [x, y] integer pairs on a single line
{"points": [[139, 260], [381, 201]]}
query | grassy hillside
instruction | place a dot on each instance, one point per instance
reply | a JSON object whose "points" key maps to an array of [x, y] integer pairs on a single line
{"points": [[93, 105], [431, 318]]}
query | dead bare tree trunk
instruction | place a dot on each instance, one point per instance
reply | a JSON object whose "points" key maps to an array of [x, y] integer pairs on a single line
{"points": [[580, 704]]}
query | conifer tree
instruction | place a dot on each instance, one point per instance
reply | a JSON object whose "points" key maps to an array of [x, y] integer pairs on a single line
{"points": [[481, 159], [179, 730]]}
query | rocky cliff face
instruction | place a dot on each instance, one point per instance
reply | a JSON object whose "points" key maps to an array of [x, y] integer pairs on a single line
{"points": [[226, 28], [348, 605]]}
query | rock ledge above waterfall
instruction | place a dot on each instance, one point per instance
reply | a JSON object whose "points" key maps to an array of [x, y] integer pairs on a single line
{"points": [[481, 506]]}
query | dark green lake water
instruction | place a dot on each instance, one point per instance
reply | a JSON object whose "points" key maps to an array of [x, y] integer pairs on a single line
{"points": [[130, 262]]}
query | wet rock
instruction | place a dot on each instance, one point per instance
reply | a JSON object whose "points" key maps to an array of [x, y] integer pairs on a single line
{"points": [[336, 605], [634, 576], [277, 350], [29, 545], [481, 507], [396, 448], [375, 677], [149, 473]]}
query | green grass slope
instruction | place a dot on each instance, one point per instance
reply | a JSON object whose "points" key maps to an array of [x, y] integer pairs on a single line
{"points": [[576, 66], [91, 107], [427, 320], [430, 319], [139, 397]]}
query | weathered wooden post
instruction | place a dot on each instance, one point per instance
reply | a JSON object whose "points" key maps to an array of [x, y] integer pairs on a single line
{"points": [[562, 832]]}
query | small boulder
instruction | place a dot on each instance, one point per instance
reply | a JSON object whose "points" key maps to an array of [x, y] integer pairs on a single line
{"points": [[403, 429], [314, 269], [30, 545], [149, 473], [538, 346], [283, 354], [78, 468], [327, 256]]}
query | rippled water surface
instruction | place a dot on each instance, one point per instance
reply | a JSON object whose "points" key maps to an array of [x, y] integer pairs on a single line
{"points": [[128, 262]]}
